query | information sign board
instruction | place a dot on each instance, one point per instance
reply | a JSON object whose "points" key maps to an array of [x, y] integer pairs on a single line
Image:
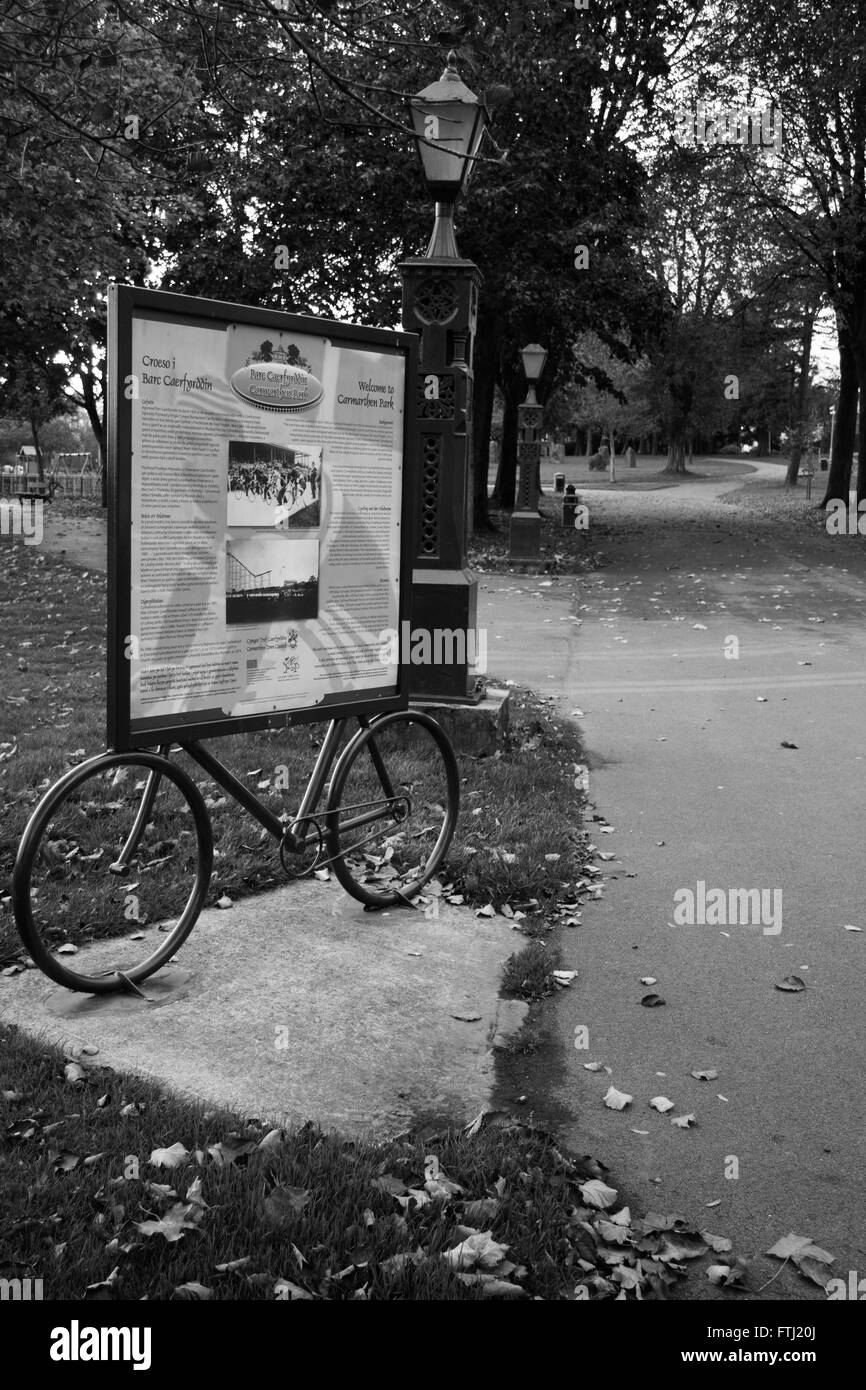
{"points": [[260, 521]]}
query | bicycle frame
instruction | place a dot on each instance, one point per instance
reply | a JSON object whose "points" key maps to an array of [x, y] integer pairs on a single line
{"points": [[271, 822]]}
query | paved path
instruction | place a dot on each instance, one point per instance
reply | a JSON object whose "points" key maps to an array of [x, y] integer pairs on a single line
{"points": [[687, 765]]}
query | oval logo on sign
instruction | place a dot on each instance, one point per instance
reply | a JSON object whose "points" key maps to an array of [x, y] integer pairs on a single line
{"points": [[277, 386]]}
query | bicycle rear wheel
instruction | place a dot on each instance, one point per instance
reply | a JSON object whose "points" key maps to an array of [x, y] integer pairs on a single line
{"points": [[114, 850], [392, 808]]}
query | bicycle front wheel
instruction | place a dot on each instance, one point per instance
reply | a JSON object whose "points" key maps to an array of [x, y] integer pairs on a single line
{"points": [[392, 808], [112, 871]]}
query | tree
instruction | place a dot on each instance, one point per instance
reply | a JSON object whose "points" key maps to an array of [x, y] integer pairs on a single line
{"points": [[814, 60]]}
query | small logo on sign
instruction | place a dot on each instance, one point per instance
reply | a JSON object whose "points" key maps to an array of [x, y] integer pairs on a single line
{"points": [[277, 386]]}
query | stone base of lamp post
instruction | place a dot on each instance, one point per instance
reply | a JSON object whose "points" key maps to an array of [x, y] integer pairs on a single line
{"points": [[444, 615], [524, 536]]}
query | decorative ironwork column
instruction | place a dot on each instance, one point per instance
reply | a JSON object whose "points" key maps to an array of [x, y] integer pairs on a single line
{"points": [[440, 302], [524, 533]]}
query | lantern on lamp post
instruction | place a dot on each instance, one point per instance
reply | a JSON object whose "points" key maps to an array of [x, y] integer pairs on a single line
{"points": [[449, 123], [440, 302], [524, 532]]}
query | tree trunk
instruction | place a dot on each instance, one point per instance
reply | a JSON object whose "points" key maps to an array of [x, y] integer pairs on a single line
{"points": [[40, 468], [801, 409], [588, 443], [654, 442], [506, 481], [483, 391], [839, 477], [676, 462], [793, 469]]}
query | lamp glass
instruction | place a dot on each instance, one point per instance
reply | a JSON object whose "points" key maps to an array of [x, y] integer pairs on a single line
{"points": [[534, 357], [448, 133]]}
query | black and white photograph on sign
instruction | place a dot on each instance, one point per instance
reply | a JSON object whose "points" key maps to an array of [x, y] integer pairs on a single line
{"points": [[270, 484], [271, 576]]}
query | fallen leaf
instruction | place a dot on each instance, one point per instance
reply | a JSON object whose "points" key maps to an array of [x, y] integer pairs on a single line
{"points": [[65, 1161], [283, 1203], [273, 1139], [178, 1219], [106, 1289], [491, 1287], [169, 1158], [682, 1245], [75, 1073], [435, 1181], [652, 1001], [224, 901], [230, 1150], [720, 1244], [789, 1245], [684, 1121], [413, 1199], [705, 1075], [813, 1269], [617, 1100], [648, 980], [467, 1018], [792, 984], [596, 1193], [479, 1250], [192, 1290], [661, 1104], [481, 1210], [785, 744]]}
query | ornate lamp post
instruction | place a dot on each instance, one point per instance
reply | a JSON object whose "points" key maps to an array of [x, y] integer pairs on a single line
{"points": [[440, 302], [524, 536], [832, 428]]}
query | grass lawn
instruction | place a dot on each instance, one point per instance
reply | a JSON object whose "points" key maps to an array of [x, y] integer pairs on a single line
{"points": [[519, 842], [249, 1213], [110, 1188]]}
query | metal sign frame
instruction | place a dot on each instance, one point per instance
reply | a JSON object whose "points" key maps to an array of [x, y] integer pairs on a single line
{"points": [[126, 303]]}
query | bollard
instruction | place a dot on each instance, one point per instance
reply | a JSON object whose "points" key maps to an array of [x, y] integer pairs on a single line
{"points": [[570, 504], [559, 482]]}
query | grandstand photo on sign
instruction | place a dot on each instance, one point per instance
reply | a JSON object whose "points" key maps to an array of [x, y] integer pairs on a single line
{"points": [[271, 577], [273, 485]]}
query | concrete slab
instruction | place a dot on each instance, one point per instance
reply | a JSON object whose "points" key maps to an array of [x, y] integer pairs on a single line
{"points": [[472, 728], [298, 1005]]}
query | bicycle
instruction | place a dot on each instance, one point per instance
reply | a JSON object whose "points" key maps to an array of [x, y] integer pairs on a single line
{"points": [[395, 784]]}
